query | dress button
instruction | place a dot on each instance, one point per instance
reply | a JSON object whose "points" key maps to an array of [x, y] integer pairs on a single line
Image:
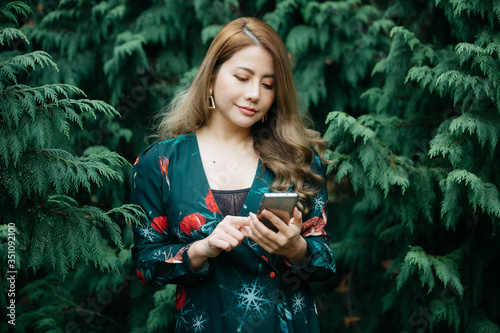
{"points": [[272, 275]]}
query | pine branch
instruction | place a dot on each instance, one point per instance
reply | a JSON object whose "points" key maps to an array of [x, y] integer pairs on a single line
{"points": [[485, 126], [7, 35], [481, 195], [312, 80], [448, 142], [61, 14], [65, 233], [162, 314], [321, 12], [166, 14], [300, 38], [127, 45], [32, 113], [377, 162], [10, 70], [481, 323], [446, 268], [12, 10], [280, 15], [40, 173], [209, 33]]}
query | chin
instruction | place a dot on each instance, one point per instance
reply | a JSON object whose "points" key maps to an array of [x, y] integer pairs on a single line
{"points": [[244, 123]]}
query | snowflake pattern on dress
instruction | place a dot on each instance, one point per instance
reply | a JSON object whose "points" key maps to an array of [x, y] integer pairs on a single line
{"points": [[181, 236], [192, 320], [148, 232], [298, 305], [199, 321], [318, 204], [195, 322], [251, 301]]}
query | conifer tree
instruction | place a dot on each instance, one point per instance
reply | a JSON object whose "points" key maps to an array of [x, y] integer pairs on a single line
{"points": [[42, 222], [421, 164]]}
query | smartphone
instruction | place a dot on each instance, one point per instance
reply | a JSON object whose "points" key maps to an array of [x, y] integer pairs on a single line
{"points": [[281, 204]]}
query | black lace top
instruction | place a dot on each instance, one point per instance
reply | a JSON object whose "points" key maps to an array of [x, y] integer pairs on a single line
{"points": [[230, 202]]}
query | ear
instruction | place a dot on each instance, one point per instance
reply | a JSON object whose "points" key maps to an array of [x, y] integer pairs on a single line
{"points": [[212, 81]]}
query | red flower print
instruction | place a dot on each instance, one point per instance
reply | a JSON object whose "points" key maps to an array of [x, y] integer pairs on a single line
{"points": [[180, 297], [192, 222], [160, 224], [141, 278], [177, 259], [313, 227], [210, 202], [164, 168]]}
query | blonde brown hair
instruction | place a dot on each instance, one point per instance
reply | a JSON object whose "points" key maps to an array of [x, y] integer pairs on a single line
{"points": [[285, 144]]}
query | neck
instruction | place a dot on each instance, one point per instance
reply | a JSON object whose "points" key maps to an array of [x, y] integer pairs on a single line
{"points": [[226, 134]]}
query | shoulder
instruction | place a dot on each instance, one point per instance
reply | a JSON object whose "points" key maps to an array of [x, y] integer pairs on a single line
{"points": [[183, 141], [167, 147], [317, 164]]}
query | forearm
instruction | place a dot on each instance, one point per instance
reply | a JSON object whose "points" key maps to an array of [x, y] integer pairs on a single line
{"points": [[197, 254]]}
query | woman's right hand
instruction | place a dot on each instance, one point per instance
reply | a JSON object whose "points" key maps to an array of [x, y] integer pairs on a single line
{"points": [[228, 234]]}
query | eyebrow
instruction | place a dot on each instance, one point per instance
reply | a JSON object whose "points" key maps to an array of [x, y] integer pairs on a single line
{"points": [[251, 71]]}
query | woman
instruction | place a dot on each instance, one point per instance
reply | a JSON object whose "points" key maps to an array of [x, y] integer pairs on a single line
{"points": [[233, 135]]}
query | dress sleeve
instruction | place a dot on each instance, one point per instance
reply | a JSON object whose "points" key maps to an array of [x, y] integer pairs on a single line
{"points": [[158, 258], [320, 264]]}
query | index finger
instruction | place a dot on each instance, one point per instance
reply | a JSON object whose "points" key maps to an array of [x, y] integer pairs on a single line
{"points": [[239, 221]]}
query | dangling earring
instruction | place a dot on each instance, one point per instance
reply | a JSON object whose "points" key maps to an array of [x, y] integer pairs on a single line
{"points": [[211, 103], [264, 119]]}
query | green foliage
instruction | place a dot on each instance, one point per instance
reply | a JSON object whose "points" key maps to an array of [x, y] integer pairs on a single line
{"points": [[481, 324], [11, 11], [445, 268], [377, 165], [433, 121], [42, 219], [57, 305], [479, 194], [162, 315]]}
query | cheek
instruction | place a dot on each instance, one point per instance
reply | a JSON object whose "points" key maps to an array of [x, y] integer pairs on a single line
{"points": [[226, 90], [270, 100]]}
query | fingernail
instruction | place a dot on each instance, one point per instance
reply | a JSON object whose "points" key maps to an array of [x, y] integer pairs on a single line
{"points": [[246, 231]]}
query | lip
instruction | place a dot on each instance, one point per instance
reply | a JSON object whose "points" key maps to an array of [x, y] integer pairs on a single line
{"points": [[247, 110]]}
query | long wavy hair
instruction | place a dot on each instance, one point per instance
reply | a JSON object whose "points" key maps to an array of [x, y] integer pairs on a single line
{"points": [[283, 141]]}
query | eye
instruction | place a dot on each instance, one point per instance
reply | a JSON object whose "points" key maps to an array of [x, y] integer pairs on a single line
{"points": [[239, 78], [268, 86]]}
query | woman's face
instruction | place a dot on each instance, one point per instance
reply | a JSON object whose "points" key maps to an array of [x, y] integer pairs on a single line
{"points": [[243, 89]]}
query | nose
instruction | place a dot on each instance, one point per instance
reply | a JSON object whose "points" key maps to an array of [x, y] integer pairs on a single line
{"points": [[253, 92]]}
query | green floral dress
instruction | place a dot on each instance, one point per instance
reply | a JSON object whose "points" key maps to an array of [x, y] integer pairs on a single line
{"points": [[244, 290]]}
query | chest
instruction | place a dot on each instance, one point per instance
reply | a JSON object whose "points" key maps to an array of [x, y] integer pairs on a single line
{"points": [[187, 197], [229, 168], [230, 174]]}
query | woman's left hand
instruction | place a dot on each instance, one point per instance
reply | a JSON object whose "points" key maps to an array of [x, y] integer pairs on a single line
{"points": [[286, 242]]}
